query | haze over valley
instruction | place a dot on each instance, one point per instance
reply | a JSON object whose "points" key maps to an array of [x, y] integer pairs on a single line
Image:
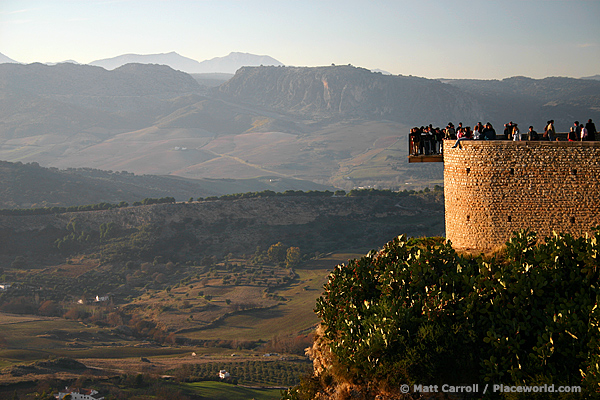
{"points": [[335, 126]]}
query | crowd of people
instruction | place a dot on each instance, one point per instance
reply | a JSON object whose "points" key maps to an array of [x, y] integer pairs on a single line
{"points": [[428, 140]]}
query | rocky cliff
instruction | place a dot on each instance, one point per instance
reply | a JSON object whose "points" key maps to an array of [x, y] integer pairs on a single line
{"points": [[347, 91]]}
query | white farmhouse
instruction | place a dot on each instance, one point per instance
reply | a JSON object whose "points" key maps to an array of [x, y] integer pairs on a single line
{"points": [[223, 374], [80, 394]]}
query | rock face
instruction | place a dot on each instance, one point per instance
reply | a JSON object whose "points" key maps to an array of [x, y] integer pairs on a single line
{"points": [[347, 91]]}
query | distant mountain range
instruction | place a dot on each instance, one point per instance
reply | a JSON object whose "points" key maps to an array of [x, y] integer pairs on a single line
{"points": [[349, 92], [339, 126], [228, 64], [225, 65], [4, 59]]}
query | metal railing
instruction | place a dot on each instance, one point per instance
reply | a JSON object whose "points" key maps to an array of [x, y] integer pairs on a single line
{"points": [[427, 145]]}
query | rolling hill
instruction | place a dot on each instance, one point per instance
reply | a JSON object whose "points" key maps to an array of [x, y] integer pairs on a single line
{"points": [[32, 186]]}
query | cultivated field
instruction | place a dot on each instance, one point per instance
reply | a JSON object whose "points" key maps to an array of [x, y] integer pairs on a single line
{"points": [[199, 310]]}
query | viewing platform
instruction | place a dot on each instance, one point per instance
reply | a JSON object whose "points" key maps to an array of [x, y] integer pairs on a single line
{"points": [[425, 158], [433, 151], [421, 152]]}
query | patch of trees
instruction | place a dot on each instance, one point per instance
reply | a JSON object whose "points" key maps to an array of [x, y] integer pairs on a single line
{"points": [[235, 196], [391, 193], [61, 210], [280, 373], [278, 253], [83, 208], [78, 236], [126, 323], [320, 193], [417, 311], [289, 344], [149, 201], [271, 193], [18, 305]]}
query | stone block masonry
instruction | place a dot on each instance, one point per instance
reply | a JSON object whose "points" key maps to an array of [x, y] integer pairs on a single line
{"points": [[494, 188]]}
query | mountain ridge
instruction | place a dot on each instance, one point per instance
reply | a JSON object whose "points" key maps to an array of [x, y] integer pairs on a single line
{"points": [[227, 64], [348, 91], [341, 126], [5, 59], [33, 186], [238, 226]]}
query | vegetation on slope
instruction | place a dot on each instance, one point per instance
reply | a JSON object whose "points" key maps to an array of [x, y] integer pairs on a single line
{"points": [[417, 312], [31, 186]]}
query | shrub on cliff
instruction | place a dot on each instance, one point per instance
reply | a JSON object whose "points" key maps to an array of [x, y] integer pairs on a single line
{"points": [[417, 312]]}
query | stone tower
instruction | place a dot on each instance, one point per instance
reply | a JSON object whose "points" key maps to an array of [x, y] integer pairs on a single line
{"points": [[493, 188]]}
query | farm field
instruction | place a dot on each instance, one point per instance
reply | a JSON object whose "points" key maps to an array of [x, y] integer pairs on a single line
{"points": [[291, 316], [26, 339], [223, 391], [286, 313]]}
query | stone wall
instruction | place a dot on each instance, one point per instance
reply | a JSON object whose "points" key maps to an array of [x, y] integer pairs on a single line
{"points": [[493, 188]]}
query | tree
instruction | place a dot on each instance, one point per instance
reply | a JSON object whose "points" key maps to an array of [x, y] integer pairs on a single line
{"points": [[293, 257], [50, 308], [107, 230], [277, 252]]}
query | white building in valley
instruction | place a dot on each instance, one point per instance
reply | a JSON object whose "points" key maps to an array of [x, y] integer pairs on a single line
{"points": [[80, 394]]}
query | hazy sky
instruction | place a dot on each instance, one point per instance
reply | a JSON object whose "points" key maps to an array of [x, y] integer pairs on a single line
{"points": [[430, 38]]}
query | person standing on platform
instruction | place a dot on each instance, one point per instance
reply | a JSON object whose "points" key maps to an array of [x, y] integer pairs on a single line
{"points": [[549, 132], [490, 133], [508, 131], [584, 133], [450, 132], [532, 134], [516, 133], [591, 129]]}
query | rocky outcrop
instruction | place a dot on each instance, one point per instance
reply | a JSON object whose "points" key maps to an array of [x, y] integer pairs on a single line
{"points": [[347, 91]]}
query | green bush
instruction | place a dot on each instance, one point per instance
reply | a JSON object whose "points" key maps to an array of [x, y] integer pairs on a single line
{"points": [[417, 312]]}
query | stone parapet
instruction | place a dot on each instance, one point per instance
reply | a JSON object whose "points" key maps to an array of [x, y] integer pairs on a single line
{"points": [[494, 188]]}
